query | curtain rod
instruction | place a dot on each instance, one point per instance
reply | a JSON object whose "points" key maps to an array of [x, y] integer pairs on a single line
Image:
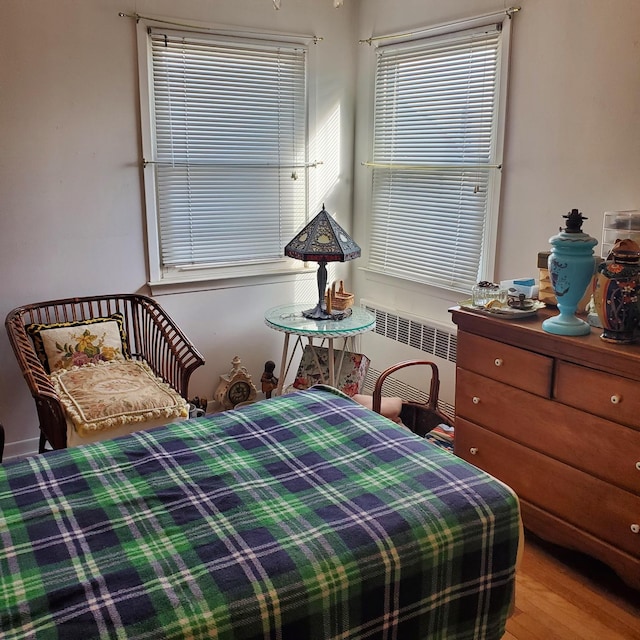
{"points": [[220, 30], [428, 167], [508, 12], [241, 165]]}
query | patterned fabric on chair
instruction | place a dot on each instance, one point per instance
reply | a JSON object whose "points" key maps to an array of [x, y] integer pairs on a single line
{"points": [[101, 366]]}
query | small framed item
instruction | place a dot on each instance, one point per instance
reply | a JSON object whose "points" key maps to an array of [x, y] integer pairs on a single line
{"points": [[235, 387]]}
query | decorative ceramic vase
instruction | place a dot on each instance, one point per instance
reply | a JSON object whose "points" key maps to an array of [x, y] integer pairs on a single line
{"points": [[616, 293], [571, 267]]}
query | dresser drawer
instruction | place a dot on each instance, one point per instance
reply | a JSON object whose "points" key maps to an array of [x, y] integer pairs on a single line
{"points": [[588, 503], [505, 363], [602, 448], [597, 392]]}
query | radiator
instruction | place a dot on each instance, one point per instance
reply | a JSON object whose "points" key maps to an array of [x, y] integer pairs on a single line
{"points": [[400, 336]]}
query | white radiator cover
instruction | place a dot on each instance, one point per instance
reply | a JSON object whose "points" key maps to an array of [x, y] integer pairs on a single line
{"points": [[400, 336]]}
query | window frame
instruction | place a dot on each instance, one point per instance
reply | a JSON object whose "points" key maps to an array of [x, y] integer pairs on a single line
{"points": [[486, 264], [254, 272]]}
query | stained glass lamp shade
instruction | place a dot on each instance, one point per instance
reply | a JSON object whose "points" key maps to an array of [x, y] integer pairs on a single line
{"points": [[322, 240]]}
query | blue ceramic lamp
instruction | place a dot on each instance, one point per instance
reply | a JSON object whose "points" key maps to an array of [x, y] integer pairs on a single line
{"points": [[571, 267]]}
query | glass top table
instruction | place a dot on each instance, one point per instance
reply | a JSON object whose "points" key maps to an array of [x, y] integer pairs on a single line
{"points": [[289, 319]]}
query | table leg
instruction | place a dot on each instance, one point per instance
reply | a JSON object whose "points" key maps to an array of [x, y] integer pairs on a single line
{"points": [[344, 349], [332, 373], [285, 350]]}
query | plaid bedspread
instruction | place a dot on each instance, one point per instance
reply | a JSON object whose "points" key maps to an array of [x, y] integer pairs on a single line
{"points": [[300, 517]]}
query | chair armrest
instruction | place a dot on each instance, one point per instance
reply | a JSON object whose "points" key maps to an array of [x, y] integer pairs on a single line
{"points": [[420, 418], [434, 388], [50, 412], [34, 373], [165, 348]]}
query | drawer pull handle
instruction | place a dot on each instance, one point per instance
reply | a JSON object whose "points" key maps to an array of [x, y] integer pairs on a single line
{"points": [[638, 466], [475, 400], [474, 451], [498, 362], [635, 528], [616, 399]]}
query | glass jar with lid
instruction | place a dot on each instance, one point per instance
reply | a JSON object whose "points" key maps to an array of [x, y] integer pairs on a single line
{"points": [[484, 293]]}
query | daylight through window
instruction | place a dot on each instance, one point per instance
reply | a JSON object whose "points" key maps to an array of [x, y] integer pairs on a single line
{"points": [[436, 156], [226, 163]]}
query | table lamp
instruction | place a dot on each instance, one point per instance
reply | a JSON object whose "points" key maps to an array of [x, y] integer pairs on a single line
{"points": [[322, 240]]}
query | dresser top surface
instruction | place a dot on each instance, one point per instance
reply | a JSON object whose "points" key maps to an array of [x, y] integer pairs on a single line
{"points": [[588, 350]]}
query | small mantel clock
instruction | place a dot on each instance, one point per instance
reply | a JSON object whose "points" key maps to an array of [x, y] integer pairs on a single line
{"points": [[235, 387]]}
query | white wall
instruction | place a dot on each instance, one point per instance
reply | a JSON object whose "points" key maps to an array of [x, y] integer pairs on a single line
{"points": [[572, 137], [71, 209], [70, 194]]}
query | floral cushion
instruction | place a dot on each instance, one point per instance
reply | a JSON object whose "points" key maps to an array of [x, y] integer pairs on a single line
{"points": [[64, 345], [350, 369], [100, 396]]}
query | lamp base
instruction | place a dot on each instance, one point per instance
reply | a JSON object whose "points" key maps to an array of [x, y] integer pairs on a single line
{"points": [[319, 312], [566, 325]]}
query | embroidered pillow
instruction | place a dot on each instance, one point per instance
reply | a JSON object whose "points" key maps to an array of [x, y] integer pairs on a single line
{"points": [[64, 345], [101, 396]]}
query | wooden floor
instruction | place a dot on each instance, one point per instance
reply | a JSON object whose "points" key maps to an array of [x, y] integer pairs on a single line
{"points": [[562, 595]]}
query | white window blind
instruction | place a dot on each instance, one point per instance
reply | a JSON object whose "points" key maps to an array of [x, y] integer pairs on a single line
{"points": [[435, 164], [229, 148]]}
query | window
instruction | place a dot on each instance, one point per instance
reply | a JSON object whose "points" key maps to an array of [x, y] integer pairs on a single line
{"points": [[437, 143], [225, 146]]}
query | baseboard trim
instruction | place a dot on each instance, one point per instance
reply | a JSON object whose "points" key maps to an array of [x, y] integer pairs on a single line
{"points": [[21, 449]]}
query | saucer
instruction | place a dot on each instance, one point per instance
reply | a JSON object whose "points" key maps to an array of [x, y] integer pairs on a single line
{"points": [[508, 313]]}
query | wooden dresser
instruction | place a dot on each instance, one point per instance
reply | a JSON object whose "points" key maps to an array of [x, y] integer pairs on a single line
{"points": [[558, 419]]}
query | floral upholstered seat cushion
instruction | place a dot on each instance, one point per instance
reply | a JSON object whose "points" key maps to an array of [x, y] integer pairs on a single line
{"points": [[101, 396]]}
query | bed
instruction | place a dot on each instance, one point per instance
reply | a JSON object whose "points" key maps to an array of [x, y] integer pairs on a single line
{"points": [[305, 516]]}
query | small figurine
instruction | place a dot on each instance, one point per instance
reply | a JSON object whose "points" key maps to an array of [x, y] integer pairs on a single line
{"points": [[269, 381]]}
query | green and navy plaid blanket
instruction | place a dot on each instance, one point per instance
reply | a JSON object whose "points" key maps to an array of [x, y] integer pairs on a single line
{"points": [[300, 517]]}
